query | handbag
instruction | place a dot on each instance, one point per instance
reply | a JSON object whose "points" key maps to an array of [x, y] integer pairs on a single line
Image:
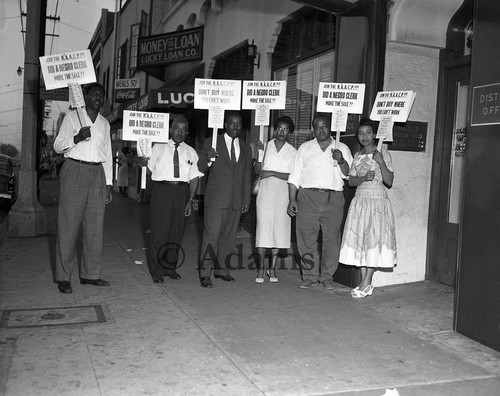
{"points": [[256, 182]]}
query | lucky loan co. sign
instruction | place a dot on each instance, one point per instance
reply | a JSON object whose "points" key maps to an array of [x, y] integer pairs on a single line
{"points": [[163, 49]]}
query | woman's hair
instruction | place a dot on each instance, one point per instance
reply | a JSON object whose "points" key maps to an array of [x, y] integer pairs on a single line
{"points": [[368, 122], [88, 87], [125, 150], [286, 120]]}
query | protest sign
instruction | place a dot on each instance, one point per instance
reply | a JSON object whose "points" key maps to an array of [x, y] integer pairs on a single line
{"points": [[217, 96], [396, 104], [391, 107], [263, 96], [145, 128], [340, 99], [72, 67], [77, 101]]}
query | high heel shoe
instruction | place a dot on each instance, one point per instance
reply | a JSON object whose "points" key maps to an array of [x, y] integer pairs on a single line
{"points": [[272, 279], [367, 291], [259, 280]]}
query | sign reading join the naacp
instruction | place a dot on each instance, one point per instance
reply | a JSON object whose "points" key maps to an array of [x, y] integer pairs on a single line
{"points": [[163, 49], [269, 93], [210, 93], [73, 67], [127, 89], [337, 96], [142, 124], [396, 104]]}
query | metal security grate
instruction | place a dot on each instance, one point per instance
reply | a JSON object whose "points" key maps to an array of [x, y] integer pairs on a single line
{"points": [[57, 316]]}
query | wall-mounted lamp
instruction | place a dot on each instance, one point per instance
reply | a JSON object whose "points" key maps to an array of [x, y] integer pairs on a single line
{"points": [[252, 54], [20, 70]]}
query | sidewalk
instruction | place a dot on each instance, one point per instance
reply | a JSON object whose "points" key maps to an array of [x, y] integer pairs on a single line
{"points": [[176, 338]]}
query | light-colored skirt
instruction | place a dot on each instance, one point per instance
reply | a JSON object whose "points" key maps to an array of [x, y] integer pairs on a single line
{"points": [[273, 221], [369, 238]]}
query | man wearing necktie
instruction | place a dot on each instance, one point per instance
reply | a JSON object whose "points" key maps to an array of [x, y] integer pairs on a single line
{"points": [[175, 177], [227, 196]]}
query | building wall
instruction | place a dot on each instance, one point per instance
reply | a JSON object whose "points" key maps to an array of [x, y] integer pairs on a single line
{"points": [[413, 68]]}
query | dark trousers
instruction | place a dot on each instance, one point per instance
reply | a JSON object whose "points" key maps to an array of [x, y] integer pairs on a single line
{"points": [[319, 210], [82, 198], [219, 235], [167, 207]]}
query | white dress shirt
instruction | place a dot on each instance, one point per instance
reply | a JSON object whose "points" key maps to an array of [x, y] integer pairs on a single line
{"points": [[228, 141], [313, 167], [96, 149], [161, 162]]}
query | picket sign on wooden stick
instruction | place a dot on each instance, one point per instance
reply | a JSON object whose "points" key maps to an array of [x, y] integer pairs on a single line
{"points": [[340, 99], [262, 96]]}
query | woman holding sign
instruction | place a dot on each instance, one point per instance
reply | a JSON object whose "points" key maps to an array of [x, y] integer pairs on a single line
{"points": [[273, 222], [369, 239]]}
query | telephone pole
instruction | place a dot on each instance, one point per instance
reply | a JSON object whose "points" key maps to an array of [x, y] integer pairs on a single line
{"points": [[26, 217]]}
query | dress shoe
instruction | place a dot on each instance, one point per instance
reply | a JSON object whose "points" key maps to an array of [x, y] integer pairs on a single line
{"points": [[173, 275], [328, 284], [367, 291], [307, 283], [225, 278], [205, 282], [272, 279], [64, 287], [157, 278], [94, 282]]}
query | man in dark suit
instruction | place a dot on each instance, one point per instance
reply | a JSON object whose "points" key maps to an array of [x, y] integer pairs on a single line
{"points": [[227, 196]]}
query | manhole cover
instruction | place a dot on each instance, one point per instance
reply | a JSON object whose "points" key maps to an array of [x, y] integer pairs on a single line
{"points": [[59, 316]]}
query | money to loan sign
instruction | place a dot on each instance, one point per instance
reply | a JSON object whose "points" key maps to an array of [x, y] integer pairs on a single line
{"points": [[163, 49]]}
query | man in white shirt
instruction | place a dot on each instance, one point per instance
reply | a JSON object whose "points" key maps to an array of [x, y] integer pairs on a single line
{"points": [[86, 181], [315, 188], [175, 181]]}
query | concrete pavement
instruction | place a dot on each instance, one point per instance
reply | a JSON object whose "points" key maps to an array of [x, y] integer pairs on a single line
{"points": [[241, 338]]}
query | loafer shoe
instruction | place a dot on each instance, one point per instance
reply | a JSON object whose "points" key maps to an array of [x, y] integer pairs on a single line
{"points": [[205, 282], [225, 278], [173, 275], [157, 278], [328, 284], [64, 287], [94, 282], [307, 283]]}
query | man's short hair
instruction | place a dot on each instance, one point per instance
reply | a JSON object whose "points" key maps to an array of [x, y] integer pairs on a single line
{"points": [[180, 118], [229, 114]]}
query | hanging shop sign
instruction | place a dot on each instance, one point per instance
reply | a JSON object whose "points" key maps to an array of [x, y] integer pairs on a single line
{"points": [[164, 49], [127, 89]]}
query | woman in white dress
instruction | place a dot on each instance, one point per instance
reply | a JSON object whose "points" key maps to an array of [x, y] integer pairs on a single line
{"points": [[369, 239], [273, 223]]}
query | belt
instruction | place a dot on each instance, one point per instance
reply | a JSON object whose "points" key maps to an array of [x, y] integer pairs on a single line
{"points": [[84, 162], [321, 189], [175, 183]]}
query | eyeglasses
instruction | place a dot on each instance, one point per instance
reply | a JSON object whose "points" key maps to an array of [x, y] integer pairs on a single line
{"points": [[283, 129]]}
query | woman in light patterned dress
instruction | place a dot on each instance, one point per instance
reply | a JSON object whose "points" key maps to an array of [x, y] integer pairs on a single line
{"points": [[369, 239], [273, 223]]}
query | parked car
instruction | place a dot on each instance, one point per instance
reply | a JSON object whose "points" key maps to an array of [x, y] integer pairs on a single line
{"points": [[7, 180]]}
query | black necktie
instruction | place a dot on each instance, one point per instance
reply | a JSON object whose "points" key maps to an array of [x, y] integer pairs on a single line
{"points": [[233, 154], [176, 161]]}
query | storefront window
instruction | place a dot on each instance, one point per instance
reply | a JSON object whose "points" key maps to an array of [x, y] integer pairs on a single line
{"points": [[302, 93]]}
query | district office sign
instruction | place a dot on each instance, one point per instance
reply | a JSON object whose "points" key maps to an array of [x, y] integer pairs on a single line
{"points": [[486, 105], [164, 49], [127, 89]]}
